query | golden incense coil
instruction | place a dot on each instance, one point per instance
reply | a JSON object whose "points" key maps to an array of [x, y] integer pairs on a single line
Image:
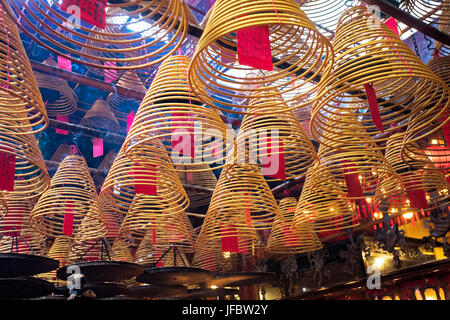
{"points": [[192, 132], [100, 116], [288, 240], [294, 40]]}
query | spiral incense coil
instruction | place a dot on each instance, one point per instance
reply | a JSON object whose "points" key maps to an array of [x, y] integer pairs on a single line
{"points": [[265, 134], [16, 221], [58, 251], [373, 57], [122, 251], [288, 240], [119, 104], [21, 105], [325, 13], [211, 260], [416, 175], [59, 97], [100, 116], [201, 178], [434, 145], [169, 225], [31, 178], [137, 34], [325, 205], [172, 113], [229, 233], [214, 72], [72, 196], [147, 254], [354, 159], [118, 190], [242, 192]]}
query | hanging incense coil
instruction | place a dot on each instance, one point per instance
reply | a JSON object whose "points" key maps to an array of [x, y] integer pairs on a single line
{"points": [[294, 40], [325, 14], [419, 175], [100, 116], [59, 98], [211, 260], [21, 105], [169, 225], [136, 35], [373, 57], [120, 105], [171, 112], [267, 135], [119, 188], [325, 205], [288, 240], [30, 174], [356, 163], [58, 251], [200, 178], [242, 192], [15, 224], [434, 145], [71, 197]]}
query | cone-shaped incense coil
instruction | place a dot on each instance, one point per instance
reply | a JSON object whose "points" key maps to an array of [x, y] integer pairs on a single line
{"points": [[30, 174], [122, 250], [242, 192], [325, 205], [58, 251], [192, 132], [200, 178], [375, 73], [125, 179], [119, 104], [420, 181], [169, 225], [293, 38], [59, 98], [356, 163], [135, 36], [71, 197], [435, 145], [101, 117], [273, 136], [21, 105], [15, 223], [286, 239]]}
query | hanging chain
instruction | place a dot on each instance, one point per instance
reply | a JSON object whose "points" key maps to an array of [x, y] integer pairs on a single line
{"points": [[416, 47]]}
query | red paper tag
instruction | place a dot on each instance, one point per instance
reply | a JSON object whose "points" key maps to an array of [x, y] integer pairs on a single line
{"points": [[248, 216], [68, 220], [64, 63], [183, 138], [253, 46], [154, 236], [373, 106], [392, 24], [417, 197], [91, 11], [272, 160], [110, 74], [229, 239], [446, 131], [7, 171], [148, 173], [62, 119], [97, 147], [354, 188], [130, 119], [13, 220]]}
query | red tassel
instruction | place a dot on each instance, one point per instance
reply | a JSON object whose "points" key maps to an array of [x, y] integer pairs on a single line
{"points": [[253, 46], [354, 188], [373, 106]]}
